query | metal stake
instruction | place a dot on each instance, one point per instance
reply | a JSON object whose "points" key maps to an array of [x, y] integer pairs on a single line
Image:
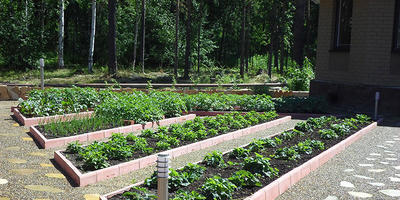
{"points": [[162, 180], [41, 61], [377, 96]]}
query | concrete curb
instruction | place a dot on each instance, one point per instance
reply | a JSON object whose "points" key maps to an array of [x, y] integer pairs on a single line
{"points": [[126, 167], [36, 120], [98, 135], [279, 186]]}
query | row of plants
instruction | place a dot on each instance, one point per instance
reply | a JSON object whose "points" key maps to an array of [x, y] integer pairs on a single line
{"points": [[78, 125], [121, 148], [142, 107], [245, 170], [56, 101]]}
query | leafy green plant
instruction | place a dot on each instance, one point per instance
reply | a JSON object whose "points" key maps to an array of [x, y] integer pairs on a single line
{"points": [[74, 147], [243, 179], [287, 153], [256, 145], [239, 153], [328, 134], [217, 188], [185, 195], [260, 165], [139, 193], [214, 159]]}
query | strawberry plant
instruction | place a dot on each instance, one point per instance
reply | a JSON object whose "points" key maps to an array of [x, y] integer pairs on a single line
{"points": [[244, 179], [260, 165], [286, 153], [185, 195], [139, 193], [328, 134], [214, 159], [239, 153], [218, 188]]}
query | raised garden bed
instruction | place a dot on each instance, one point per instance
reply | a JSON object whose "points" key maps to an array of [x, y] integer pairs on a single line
{"points": [[42, 120], [261, 170], [203, 138], [51, 142]]}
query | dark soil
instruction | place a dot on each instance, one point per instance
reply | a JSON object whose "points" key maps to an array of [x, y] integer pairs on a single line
{"points": [[74, 158], [284, 166]]}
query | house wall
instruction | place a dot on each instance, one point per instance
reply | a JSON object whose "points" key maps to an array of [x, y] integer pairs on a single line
{"points": [[351, 78], [370, 59]]}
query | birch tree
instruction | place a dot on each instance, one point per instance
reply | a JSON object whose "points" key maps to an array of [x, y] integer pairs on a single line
{"points": [[143, 31], [136, 35], [112, 32], [176, 65], [61, 36], [92, 36]]}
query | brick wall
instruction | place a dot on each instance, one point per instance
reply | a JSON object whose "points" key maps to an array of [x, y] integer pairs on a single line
{"points": [[370, 59]]}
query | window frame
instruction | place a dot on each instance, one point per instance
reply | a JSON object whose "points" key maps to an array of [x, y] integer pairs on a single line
{"points": [[396, 27], [336, 45]]}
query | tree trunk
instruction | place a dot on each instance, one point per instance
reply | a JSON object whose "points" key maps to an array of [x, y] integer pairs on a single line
{"points": [[188, 39], [270, 60], [92, 36], [61, 36], [198, 37], [112, 32], [176, 64], [143, 32], [243, 40], [298, 32], [136, 36]]}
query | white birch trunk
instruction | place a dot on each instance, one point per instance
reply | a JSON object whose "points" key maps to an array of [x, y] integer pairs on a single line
{"points": [[136, 36], [92, 36], [61, 36]]}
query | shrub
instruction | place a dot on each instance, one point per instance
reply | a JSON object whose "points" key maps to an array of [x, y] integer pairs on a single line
{"points": [[214, 159], [243, 179], [259, 165]]}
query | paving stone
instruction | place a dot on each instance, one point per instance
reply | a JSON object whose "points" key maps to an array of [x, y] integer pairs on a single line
{"points": [[362, 195], [384, 163], [23, 172], [14, 148], [376, 184], [349, 170], [391, 193], [375, 154], [91, 196], [394, 179], [27, 139], [16, 161], [365, 165], [38, 154], [46, 165], [391, 158], [55, 175], [363, 177], [331, 198], [346, 184], [3, 181], [376, 170]]}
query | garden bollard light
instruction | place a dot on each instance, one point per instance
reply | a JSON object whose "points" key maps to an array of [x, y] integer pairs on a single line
{"points": [[162, 176], [41, 62], [377, 96]]}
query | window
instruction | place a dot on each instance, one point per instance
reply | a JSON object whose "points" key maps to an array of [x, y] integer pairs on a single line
{"points": [[396, 31], [344, 13]]}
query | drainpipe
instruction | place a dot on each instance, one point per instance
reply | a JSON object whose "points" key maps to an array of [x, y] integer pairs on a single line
{"points": [[377, 97]]}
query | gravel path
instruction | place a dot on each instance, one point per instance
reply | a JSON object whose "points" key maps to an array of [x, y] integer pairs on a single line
{"points": [[27, 172], [368, 169]]}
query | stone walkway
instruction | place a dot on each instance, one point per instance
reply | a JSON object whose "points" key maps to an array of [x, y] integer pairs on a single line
{"points": [[368, 169], [28, 173]]}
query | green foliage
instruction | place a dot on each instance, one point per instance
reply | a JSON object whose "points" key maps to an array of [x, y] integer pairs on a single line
{"points": [[328, 134], [217, 188], [139, 193], [56, 101], [243, 179], [74, 147], [239, 153], [287, 153], [260, 165], [79, 125], [185, 195], [214, 159], [299, 79]]}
